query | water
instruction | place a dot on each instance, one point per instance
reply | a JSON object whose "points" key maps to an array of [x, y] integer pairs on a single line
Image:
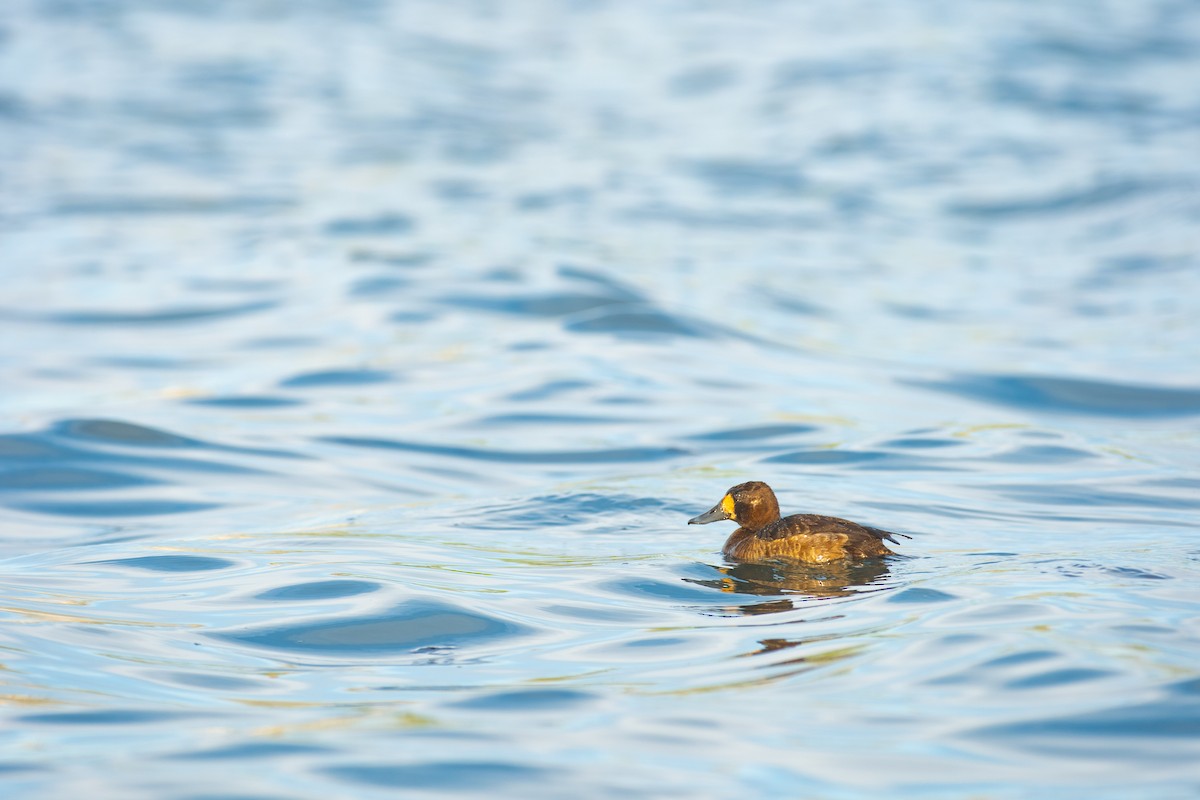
{"points": [[364, 362]]}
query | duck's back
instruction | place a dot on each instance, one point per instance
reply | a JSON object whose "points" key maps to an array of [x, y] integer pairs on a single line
{"points": [[809, 537]]}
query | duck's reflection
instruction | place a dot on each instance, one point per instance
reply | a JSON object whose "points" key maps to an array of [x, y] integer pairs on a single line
{"points": [[773, 579]]}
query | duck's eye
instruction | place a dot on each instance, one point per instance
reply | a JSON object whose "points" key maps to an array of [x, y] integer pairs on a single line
{"points": [[727, 506]]}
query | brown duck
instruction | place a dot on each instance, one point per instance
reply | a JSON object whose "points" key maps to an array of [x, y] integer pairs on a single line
{"points": [[800, 537]]}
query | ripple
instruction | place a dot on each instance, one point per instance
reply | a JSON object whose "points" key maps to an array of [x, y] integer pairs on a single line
{"points": [[1071, 395], [379, 225], [66, 478], [609, 456], [921, 594], [754, 433], [733, 178], [862, 459], [116, 508], [413, 625], [559, 510], [445, 776], [1064, 494], [1057, 677], [703, 80], [118, 205], [180, 563], [246, 402], [319, 590], [110, 431], [556, 304], [337, 377], [1102, 194], [254, 750], [109, 716], [1141, 729], [527, 700], [155, 317]]}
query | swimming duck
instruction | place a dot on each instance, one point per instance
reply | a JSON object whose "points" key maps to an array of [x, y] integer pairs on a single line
{"points": [[800, 537]]}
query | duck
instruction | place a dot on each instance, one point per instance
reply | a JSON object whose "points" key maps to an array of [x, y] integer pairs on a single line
{"points": [[808, 538]]}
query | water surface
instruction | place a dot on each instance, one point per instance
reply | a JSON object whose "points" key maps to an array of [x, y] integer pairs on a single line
{"points": [[364, 362]]}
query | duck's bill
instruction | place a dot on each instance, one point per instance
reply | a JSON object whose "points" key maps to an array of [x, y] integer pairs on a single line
{"points": [[715, 514]]}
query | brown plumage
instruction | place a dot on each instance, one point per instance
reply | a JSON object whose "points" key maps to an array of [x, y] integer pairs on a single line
{"points": [[800, 537]]}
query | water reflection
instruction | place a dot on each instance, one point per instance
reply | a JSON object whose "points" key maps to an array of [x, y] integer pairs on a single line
{"points": [[775, 578]]}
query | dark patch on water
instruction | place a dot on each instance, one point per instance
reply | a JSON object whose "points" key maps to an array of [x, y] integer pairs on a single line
{"points": [[1070, 494], [444, 776], [1025, 657], [1070, 395], [109, 716], [863, 459], [1057, 677], [676, 591], [391, 259], [406, 628], [1142, 725], [67, 478], [336, 378], [733, 178], [17, 768], [803, 72], [181, 314], [827, 457], [115, 205], [915, 443], [381, 225], [754, 433], [637, 322], [180, 563], [575, 196], [116, 508], [110, 431], [791, 305], [245, 402], [377, 286], [719, 219], [527, 700], [253, 750], [1100, 195], [921, 594], [537, 305], [319, 590], [504, 420], [204, 680], [549, 390], [1042, 454], [701, 81], [559, 510]]}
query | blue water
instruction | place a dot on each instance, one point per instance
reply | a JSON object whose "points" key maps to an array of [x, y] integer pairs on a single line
{"points": [[363, 363]]}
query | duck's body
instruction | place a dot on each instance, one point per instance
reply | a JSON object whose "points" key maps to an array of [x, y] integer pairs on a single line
{"points": [[801, 537]]}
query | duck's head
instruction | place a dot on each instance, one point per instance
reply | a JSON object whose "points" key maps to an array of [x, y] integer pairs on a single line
{"points": [[751, 505]]}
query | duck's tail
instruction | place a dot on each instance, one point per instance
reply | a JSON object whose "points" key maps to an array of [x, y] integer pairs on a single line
{"points": [[886, 535]]}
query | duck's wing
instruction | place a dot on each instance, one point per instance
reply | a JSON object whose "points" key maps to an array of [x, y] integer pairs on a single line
{"points": [[815, 525]]}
